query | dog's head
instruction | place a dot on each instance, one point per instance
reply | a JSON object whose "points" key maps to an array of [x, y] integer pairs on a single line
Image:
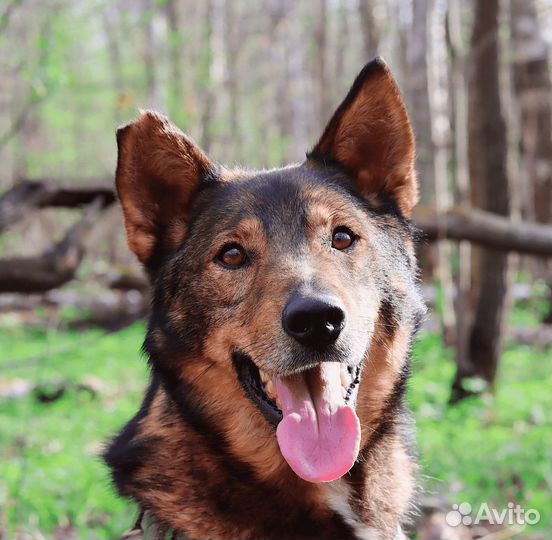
{"points": [[294, 287]]}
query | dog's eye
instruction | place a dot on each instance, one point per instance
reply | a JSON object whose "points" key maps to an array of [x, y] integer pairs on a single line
{"points": [[342, 238], [232, 256]]}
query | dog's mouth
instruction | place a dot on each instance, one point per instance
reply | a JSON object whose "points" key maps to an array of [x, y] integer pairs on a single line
{"points": [[317, 428], [255, 388]]}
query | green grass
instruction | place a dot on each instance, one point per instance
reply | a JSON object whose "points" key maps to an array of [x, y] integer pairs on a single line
{"points": [[492, 449], [50, 473]]}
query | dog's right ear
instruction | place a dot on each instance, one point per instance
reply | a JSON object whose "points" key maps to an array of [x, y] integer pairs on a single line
{"points": [[159, 170]]}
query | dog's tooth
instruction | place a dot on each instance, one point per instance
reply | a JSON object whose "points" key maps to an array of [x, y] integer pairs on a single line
{"points": [[345, 378], [269, 389], [264, 377]]}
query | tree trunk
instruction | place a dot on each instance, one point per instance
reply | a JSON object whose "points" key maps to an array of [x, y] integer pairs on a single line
{"points": [[320, 40], [231, 42], [418, 97], [459, 102], [370, 30], [533, 92], [176, 92], [341, 48], [431, 162], [418, 45], [205, 79], [303, 125], [490, 191], [440, 136], [399, 39], [110, 24], [284, 93], [153, 91]]}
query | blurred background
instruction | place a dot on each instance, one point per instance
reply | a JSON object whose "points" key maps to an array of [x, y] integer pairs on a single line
{"points": [[254, 82]]}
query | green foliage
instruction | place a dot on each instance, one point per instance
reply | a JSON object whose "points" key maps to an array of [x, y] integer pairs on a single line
{"points": [[492, 449], [531, 311]]}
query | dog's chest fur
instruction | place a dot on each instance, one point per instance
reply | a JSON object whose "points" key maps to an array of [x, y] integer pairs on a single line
{"points": [[187, 481], [338, 497]]}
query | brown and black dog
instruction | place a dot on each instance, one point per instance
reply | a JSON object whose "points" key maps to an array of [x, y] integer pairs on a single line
{"points": [[284, 307]]}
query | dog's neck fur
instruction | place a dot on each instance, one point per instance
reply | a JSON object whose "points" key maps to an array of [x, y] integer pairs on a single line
{"points": [[188, 481]]}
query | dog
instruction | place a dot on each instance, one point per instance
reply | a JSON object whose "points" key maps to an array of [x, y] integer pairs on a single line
{"points": [[284, 307]]}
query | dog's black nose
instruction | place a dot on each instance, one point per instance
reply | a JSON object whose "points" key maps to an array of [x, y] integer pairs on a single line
{"points": [[314, 321]]}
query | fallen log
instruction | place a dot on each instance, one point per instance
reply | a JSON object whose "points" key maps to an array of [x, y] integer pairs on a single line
{"points": [[486, 229], [29, 194], [59, 264], [56, 266]]}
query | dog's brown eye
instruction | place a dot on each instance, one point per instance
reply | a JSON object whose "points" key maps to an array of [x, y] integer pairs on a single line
{"points": [[342, 238], [232, 256]]}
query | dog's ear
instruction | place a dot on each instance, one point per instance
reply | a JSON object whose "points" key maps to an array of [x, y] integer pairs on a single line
{"points": [[370, 136], [159, 170]]}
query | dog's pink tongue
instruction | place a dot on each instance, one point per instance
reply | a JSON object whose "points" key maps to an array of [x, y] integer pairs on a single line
{"points": [[320, 435]]}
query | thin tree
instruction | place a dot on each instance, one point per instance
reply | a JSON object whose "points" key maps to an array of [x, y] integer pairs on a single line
{"points": [[284, 92], [110, 21], [533, 92], [370, 29], [153, 91], [205, 89], [437, 67], [490, 191], [175, 42], [418, 96], [232, 41], [320, 63], [427, 107], [457, 83]]}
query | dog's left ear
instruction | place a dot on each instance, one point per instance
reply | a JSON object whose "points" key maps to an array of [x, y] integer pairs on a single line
{"points": [[370, 136]]}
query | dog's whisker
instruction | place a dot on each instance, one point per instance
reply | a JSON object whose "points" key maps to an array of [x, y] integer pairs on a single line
{"points": [[210, 366]]}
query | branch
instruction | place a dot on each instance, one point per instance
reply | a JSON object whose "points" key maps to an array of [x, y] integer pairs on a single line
{"points": [[489, 230], [19, 122]]}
